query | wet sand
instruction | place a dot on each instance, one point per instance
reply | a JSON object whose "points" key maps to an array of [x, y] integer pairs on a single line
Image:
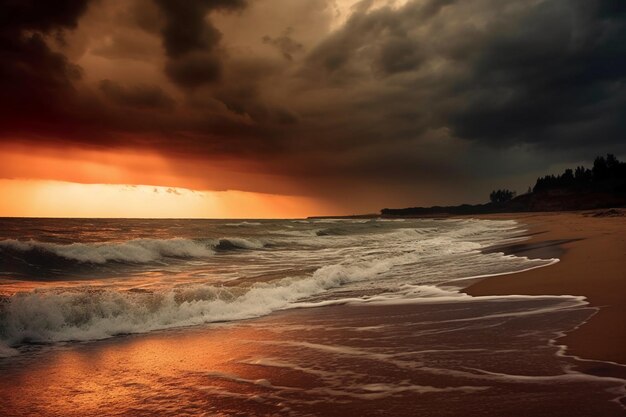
{"points": [[484, 357], [592, 250]]}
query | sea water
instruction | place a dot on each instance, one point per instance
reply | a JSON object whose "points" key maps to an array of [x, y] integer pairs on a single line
{"points": [[280, 317], [91, 279]]}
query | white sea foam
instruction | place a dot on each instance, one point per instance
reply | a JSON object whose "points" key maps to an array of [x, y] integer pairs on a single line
{"points": [[134, 251], [47, 316], [399, 265]]}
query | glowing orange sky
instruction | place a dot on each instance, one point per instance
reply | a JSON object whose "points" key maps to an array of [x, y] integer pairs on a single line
{"points": [[43, 198], [79, 183], [127, 166]]}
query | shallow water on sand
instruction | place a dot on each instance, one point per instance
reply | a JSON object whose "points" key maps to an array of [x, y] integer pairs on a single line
{"points": [[480, 357]]}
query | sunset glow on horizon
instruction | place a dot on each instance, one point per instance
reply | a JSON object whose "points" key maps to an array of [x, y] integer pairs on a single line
{"points": [[49, 182], [43, 198]]}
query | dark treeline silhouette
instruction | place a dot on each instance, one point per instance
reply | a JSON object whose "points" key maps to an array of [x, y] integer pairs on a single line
{"points": [[501, 196], [607, 171], [602, 186]]}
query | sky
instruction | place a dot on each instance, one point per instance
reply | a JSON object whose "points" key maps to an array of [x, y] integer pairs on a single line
{"points": [[284, 108]]}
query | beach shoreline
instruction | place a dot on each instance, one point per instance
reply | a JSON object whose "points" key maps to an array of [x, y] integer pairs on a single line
{"points": [[591, 247], [448, 356]]}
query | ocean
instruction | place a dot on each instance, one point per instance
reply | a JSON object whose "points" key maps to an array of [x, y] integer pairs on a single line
{"points": [[279, 317]]}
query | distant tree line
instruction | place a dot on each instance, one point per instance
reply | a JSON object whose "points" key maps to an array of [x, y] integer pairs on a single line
{"points": [[501, 196], [604, 169], [608, 174], [602, 186]]}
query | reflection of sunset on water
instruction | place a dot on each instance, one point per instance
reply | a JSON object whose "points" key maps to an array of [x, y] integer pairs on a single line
{"points": [[125, 378], [316, 362]]}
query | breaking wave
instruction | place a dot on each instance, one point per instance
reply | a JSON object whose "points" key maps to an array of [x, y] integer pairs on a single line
{"points": [[306, 268], [238, 243], [136, 251], [89, 314]]}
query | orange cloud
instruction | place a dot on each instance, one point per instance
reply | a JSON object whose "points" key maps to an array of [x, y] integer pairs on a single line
{"points": [[69, 182]]}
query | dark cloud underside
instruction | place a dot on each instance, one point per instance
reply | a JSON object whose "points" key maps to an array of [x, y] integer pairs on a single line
{"points": [[407, 97], [33, 78], [191, 41]]}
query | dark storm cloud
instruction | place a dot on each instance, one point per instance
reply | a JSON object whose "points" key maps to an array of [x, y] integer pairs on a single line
{"points": [[139, 96], [40, 16], [190, 40], [544, 73], [43, 102], [562, 64], [384, 38], [285, 43], [34, 78], [394, 95]]}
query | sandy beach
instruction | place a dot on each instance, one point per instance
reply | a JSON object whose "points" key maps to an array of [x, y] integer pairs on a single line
{"points": [[592, 250], [428, 351]]}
